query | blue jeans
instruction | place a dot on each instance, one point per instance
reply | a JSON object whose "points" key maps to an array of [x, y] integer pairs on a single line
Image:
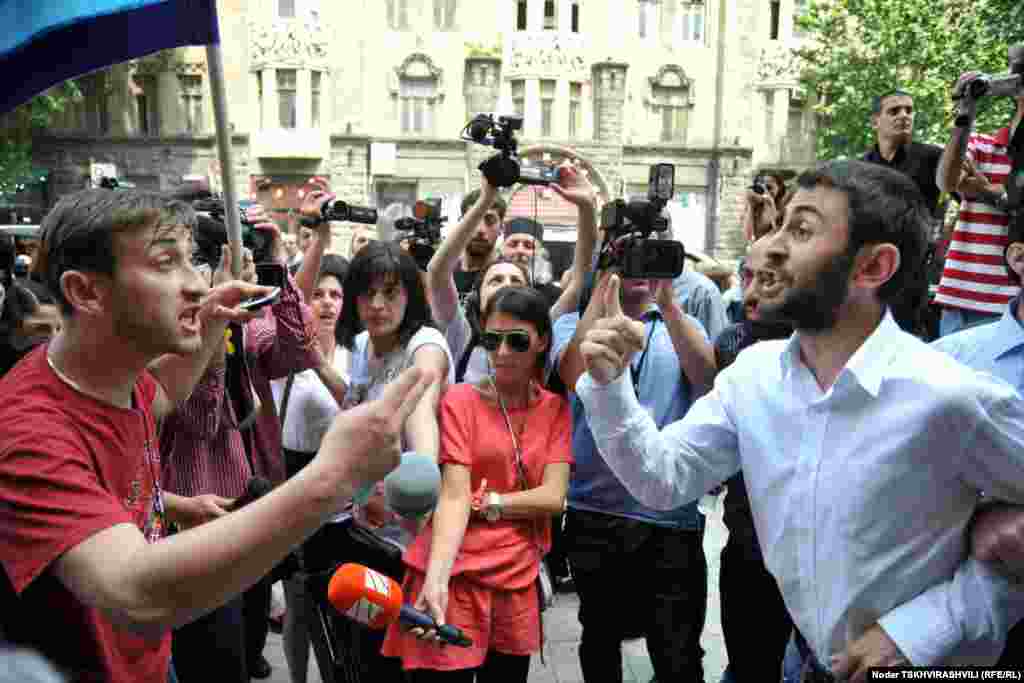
{"points": [[957, 319]]}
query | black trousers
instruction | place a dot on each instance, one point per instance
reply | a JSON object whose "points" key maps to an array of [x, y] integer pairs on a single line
{"points": [[497, 668], [637, 579], [755, 645], [212, 648], [1013, 653], [256, 611]]}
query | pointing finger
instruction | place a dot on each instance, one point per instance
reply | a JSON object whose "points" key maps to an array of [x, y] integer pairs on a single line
{"points": [[612, 307]]}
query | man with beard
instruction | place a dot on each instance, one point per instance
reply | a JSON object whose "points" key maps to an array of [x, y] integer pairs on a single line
{"points": [[89, 579], [753, 646], [864, 451], [480, 248]]}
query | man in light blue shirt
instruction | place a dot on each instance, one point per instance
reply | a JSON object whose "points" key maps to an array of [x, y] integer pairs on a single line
{"points": [[998, 349], [700, 297], [864, 451], [638, 571]]}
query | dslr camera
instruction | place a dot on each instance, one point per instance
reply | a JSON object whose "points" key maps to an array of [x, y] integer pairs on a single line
{"points": [[422, 230], [628, 226], [256, 241], [504, 169]]}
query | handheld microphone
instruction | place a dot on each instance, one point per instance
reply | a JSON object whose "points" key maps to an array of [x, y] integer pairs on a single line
{"points": [[411, 489], [256, 487], [375, 600]]}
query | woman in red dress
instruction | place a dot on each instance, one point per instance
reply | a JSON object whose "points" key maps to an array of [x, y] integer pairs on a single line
{"points": [[505, 457]]}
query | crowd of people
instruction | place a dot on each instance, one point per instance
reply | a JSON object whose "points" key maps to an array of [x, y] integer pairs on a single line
{"points": [[168, 453]]}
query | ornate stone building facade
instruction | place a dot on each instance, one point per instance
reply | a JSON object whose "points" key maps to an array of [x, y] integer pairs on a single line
{"points": [[373, 94]]}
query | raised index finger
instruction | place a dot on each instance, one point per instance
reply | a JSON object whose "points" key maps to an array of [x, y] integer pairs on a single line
{"points": [[401, 396]]}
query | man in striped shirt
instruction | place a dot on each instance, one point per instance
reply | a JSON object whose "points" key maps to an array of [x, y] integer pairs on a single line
{"points": [[975, 286]]}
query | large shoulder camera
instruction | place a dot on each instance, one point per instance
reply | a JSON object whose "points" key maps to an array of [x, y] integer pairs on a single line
{"points": [[628, 226], [422, 231], [504, 169]]}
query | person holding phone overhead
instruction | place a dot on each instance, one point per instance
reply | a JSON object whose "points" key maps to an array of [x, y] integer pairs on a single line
{"points": [[225, 434]]}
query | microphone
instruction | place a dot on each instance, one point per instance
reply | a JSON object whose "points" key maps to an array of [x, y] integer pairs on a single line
{"points": [[410, 489], [256, 487], [375, 600]]}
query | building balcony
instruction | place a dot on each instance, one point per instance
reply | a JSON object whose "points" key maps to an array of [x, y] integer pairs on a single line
{"points": [[283, 143]]}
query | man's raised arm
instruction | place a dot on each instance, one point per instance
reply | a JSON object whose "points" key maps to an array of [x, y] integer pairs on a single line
{"points": [[441, 270]]}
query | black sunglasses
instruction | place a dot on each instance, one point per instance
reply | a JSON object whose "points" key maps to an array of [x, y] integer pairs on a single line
{"points": [[518, 341]]}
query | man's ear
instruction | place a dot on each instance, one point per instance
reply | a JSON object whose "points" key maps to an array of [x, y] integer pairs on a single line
{"points": [[876, 264], [1015, 258], [87, 292], [874, 121]]}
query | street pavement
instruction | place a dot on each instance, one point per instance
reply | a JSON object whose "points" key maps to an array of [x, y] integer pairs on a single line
{"points": [[563, 634]]}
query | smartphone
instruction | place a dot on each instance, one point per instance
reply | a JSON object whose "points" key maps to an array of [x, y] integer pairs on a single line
{"points": [[259, 302], [270, 274]]}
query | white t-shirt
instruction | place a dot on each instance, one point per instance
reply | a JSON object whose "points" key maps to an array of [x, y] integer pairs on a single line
{"points": [[311, 407], [369, 376]]}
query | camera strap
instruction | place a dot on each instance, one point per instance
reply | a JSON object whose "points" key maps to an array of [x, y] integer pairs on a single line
{"points": [[637, 370]]}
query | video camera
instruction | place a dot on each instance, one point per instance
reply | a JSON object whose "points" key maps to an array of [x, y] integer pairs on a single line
{"points": [[1004, 85], [256, 241], [628, 225], [338, 210], [504, 169], [422, 230]]}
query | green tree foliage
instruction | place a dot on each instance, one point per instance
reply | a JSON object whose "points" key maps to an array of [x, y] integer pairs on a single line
{"points": [[19, 126], [862, 48]]}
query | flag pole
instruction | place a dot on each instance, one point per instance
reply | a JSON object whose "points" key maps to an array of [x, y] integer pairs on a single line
{"points": [[215, 63]]}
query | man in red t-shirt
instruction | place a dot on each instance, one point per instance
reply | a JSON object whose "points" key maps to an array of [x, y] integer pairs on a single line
{"points": [[88, 578]]}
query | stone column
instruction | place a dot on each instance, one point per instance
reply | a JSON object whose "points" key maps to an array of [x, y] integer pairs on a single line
{"points": [[780, 119], [560, 112], [610, 99], [172, 120], [531, 108], [270, 118], [304, 99], [563, 11], [534, 16]]}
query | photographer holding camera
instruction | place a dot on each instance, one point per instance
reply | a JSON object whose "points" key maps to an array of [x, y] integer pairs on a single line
{"points": [[762, 209], [226, 433], [976, 287], [609, 533], [459, 321]]}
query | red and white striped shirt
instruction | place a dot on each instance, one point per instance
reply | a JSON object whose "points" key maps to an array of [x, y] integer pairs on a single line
{"points": [[974, 276]]}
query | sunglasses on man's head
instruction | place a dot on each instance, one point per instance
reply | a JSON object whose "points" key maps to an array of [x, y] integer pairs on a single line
{"points": [[518, 341]]}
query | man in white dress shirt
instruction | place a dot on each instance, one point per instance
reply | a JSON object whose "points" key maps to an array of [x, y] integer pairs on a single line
{"points": [[864, 450]]}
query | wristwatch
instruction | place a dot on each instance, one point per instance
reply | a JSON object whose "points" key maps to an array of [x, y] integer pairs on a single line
{"points": [[492, 508]]}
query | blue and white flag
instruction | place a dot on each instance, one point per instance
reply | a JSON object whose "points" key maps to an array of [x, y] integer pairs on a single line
{"points": [[45, 42]]}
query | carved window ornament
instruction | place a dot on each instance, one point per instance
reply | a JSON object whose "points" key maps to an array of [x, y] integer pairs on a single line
{"points": [[297, 44], [417, 67], [670, 87]]}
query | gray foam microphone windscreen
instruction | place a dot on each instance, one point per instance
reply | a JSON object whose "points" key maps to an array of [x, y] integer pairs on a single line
{"points": [[412, 488]]}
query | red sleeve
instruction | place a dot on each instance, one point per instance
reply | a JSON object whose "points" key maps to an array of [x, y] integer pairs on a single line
{"points": [[560, 446], [456, 427], [51, 498]]}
